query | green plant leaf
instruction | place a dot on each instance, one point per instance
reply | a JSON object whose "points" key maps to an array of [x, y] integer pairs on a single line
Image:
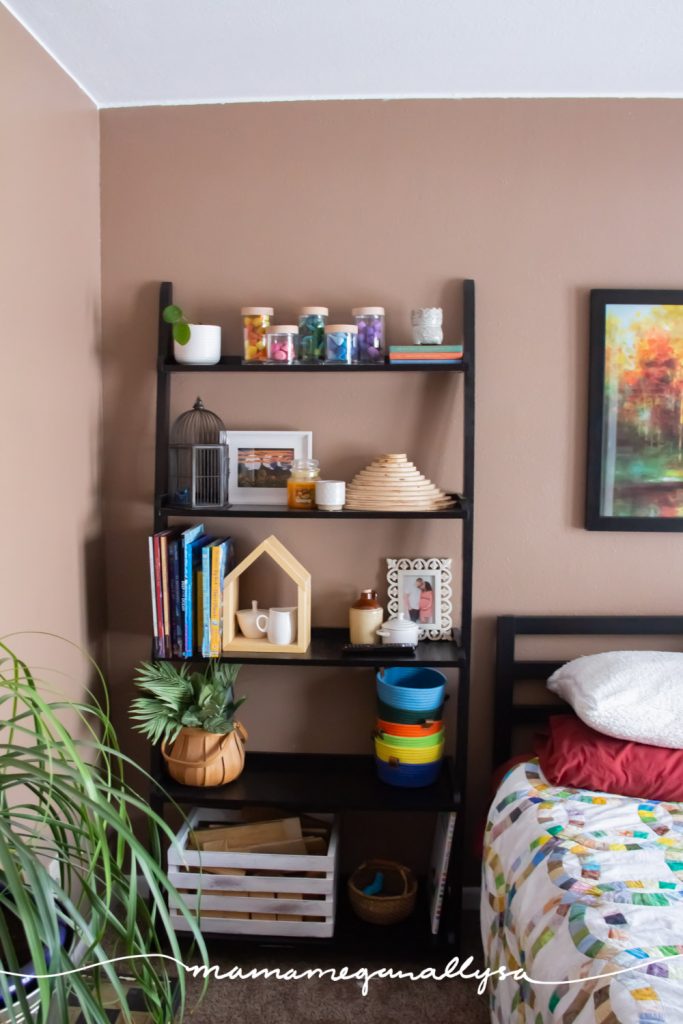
{"points": [[181, 333], [172, 314], [63, 797]]}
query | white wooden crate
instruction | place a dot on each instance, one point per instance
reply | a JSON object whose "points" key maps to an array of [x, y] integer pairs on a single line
{"points": [[314, 900]]}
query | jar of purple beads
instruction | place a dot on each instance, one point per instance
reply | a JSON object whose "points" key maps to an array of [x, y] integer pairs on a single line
{"points": [[370, 323]]}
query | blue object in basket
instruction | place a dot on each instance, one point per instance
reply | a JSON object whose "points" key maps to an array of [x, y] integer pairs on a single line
{"points": [[414, 689], [408, 776], [376, 885]]}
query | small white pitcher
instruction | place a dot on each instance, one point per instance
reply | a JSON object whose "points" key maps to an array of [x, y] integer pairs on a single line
{"points": [[280, 624]]}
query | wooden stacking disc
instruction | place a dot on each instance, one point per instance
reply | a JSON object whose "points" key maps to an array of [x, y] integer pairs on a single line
{"points": [[393, 484]]}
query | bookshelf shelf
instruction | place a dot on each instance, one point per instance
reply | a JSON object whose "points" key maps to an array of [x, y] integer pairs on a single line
{"points": [[233, 364], [461, 511], [326, 782], [326, 649]]}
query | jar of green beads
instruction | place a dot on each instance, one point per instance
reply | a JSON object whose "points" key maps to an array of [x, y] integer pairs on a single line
{"points": [[311, 343]]}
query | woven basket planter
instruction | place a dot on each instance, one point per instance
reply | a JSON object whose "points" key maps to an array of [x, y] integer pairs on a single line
{"points": [[397, 900], [199, 758]]}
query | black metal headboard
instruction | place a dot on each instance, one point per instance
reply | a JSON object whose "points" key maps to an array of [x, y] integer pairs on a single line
{"points": [[509, 670]]}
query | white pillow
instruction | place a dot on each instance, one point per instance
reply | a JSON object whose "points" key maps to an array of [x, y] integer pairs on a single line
{"points": [[632, 695]]}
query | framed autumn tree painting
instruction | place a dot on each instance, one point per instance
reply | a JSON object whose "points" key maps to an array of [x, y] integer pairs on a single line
{"points": [[635, 426]]}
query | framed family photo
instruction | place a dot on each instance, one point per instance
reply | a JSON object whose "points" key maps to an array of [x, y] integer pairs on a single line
{"points": [[421, 590], [635, 423], [261, 463]]}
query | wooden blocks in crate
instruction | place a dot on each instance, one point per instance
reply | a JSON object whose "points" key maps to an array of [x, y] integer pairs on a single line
{"points": [[255, 893], [300, 576]]}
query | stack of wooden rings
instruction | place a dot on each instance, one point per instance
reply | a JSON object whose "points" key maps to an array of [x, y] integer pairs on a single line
{"points": [[393, 484]]}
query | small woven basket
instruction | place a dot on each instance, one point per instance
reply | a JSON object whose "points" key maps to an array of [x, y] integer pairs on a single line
{"points": [[397, 900]]}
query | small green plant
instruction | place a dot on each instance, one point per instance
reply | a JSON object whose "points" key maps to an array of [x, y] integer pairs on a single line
{"points": [[179, 324], [178, 697]]}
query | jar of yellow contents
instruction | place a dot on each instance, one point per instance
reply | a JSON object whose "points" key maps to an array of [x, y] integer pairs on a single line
{"points": [[255, 321], [301, 484]]}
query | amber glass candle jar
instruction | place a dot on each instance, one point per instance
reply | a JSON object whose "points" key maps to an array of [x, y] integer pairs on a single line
{"points": [[301, 484]]}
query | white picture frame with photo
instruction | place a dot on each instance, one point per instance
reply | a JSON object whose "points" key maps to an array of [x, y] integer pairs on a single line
{"points": [[421, 589], [259, 461]]}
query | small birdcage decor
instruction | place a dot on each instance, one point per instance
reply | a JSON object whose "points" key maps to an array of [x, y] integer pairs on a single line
{"points": [[198, 463]]}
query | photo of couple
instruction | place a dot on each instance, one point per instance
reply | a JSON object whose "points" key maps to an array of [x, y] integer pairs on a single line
{"points": [[418, 594]]}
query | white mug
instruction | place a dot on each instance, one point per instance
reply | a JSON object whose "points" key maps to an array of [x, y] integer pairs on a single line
{"points": [[280, 623]]}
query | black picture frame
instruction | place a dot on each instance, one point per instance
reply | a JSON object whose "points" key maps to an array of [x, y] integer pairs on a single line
{"points": [[596, 517]]}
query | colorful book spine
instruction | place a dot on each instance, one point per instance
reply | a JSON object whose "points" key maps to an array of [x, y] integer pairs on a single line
{"points": [[158, 585], [199, 609], [407, 349], [176, 606], [219, 555], [165, 593], [206, 598], [425, 355], [152, 579], [189, 539]]}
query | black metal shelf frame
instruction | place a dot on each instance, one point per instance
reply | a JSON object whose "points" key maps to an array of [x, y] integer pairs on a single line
{"points": [[341, 782]]}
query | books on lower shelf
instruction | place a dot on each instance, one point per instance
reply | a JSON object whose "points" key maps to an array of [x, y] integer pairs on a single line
{"points": [[187, 569], [438, 869]]}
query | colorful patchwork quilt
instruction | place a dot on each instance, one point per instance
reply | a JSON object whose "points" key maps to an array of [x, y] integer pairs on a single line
{"points": [[582, 891]]}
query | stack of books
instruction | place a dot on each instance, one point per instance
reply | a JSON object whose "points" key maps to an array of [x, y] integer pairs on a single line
{"points": [[186, 570], [425, 354]]}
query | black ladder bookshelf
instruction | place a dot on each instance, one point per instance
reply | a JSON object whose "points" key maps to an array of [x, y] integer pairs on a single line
{"points": [[337, 783]]}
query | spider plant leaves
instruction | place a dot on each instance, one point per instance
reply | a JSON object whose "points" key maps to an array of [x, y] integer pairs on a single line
{"points": [[64, 801]]}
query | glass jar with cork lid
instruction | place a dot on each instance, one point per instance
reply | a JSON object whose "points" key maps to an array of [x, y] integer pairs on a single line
{"points": [[301, 483]]}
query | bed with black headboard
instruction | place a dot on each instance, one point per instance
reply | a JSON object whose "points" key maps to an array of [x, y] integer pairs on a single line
{"points": [[582, 889]]}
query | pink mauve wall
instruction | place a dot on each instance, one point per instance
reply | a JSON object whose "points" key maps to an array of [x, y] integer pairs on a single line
{"points": [[394, 203], [50, 414]]}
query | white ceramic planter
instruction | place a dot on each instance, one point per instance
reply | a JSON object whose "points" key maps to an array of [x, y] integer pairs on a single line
{"points": [[203, 348]]}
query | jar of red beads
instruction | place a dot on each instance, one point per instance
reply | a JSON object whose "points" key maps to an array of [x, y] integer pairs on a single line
{"points": [[281, 343]]}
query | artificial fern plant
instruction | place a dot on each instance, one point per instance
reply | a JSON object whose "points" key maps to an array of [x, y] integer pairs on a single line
{"points": [[176, 698]]}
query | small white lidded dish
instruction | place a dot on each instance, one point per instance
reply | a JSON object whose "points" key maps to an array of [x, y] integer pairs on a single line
{"points": [[399, 631]]}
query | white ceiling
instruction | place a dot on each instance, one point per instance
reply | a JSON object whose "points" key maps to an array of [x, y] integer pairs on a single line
{"points": [[141, 52]]}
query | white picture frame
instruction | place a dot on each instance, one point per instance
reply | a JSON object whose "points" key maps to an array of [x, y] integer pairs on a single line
{"points": [[297, 444], [421, 589]]}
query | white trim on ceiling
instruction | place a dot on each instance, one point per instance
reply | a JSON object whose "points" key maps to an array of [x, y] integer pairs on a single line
{"points": [[389, 98]]}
